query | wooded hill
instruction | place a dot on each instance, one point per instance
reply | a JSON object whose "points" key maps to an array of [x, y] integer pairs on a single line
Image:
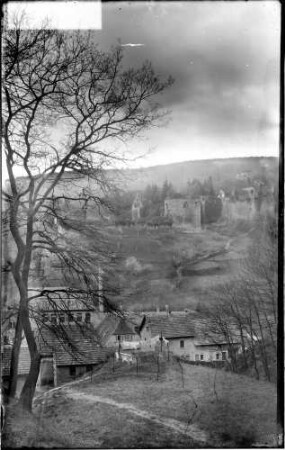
{"points": [[222, 172]]}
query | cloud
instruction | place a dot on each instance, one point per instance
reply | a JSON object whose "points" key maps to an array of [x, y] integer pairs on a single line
{"points": [[225, 61]]}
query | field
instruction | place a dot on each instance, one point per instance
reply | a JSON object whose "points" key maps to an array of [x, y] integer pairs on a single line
{"points": [[181, 406], [148, 276]]}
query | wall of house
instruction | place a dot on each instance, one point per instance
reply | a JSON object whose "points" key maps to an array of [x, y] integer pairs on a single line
{"points": [[64, 375], [113, 341], [210, 353], [197, 353], [46, 372], [187, 350], [20, 384], [145, 333]]}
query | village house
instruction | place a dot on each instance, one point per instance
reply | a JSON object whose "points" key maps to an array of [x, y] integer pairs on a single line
{"points": [[123, 332], [61, 305], [68, 352], [186, 338]]}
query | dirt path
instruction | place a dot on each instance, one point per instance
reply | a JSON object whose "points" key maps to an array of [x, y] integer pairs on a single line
{"points": [[180, 427]]}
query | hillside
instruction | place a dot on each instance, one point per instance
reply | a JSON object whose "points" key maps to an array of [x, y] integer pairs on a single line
{"points": [[124, 406], [178, 174], [175, 267]]}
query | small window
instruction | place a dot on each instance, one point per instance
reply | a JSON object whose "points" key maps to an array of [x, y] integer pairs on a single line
{"points": [[87, 317], [224, 356], [72, 371], [128, 337], [53, 319], [70, 318], [61, 318], [217, 356], [79, 317], [201, 357], [45, 318], [181, 344]]}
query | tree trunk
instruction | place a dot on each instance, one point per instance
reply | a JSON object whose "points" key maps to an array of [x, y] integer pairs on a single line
{"points": [[28, 391], [27, 394], [12, 388]]}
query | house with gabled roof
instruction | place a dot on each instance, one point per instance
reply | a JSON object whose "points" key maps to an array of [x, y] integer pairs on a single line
{"points": [[123, 332], [68, 352], [178, 330], [187, 337]]}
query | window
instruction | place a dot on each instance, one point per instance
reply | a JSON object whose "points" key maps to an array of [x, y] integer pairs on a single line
{"points": [[70, 318], [79, 317], [72, 371], [45, 318], [181, 344], [224, 356], [61, 318], [87, 317], [128, 337], [53, 319], [201, 357], [217, 356], [196, 357]]}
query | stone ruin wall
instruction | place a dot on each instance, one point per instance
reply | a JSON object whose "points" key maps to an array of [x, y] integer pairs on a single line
{"points": [[245, 210]]}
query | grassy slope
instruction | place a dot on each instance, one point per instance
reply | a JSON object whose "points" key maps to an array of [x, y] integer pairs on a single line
{"points": [[233, 410], [148, 274]]}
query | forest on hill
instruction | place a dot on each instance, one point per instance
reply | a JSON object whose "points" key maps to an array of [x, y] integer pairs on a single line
{"points": [[222, 171]]}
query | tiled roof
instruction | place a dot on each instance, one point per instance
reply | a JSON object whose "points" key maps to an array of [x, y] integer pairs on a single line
{"points": [[72, 345], [24, 361], [171, 326], [114, 325], [124, 327]]}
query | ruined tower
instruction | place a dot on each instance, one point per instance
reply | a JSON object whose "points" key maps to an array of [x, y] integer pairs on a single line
{"points": [[197, 215], [136, 208]]}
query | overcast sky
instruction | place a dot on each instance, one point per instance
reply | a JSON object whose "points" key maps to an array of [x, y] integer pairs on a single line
{"points": [[224, 57]]}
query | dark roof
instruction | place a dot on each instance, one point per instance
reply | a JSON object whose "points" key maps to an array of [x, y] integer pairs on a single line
{"points": [[171, 326], [24, 360], [124, 327], [72, 345], [114, 325]]}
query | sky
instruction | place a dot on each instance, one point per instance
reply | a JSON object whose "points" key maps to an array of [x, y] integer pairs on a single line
{"points": [[224, 57]]}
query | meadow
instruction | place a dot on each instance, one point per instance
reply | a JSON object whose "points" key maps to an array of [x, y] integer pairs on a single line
{"points": [[123, 406]]}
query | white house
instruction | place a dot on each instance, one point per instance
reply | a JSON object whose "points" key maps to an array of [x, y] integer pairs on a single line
{"points": [[185, 336]]}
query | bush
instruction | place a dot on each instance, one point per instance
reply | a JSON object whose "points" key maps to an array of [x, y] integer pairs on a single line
{"points": [[158, 221], [231, 424]]}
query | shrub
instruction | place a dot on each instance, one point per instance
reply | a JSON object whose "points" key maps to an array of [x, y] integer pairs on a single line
{"points": [[231, 424]]}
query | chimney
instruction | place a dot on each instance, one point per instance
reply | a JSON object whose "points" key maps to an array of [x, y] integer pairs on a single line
{"points": [[167, 310]]}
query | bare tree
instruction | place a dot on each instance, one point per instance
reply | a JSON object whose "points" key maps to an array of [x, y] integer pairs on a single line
{"points": [[246, 308], [63, 97]]}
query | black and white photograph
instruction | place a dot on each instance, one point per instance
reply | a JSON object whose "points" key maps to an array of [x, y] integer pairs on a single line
{"points": [[141, 294]]}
